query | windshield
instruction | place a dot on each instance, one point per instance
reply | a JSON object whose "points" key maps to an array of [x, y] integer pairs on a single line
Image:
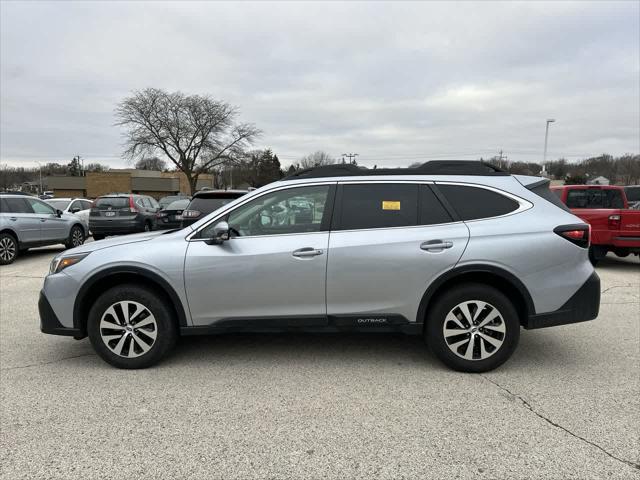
{"points": [[59, 204], [208, 205]]}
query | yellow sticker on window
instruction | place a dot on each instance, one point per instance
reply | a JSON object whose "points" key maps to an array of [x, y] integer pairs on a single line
{"points": [[390, 205]]}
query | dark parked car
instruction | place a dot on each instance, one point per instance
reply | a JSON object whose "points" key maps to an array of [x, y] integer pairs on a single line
{"points": [[122, 213], [206, 201], [165, 201], [171, 216]]}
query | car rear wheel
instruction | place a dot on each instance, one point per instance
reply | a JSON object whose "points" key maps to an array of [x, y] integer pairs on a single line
{"points": [[596, 253], [131, 327], [8, 248], [76, 237], [147, 226], [98, 237], [473, 328]]}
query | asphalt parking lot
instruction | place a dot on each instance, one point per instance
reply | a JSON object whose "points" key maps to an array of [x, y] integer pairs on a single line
{"points": [[567, 405]]}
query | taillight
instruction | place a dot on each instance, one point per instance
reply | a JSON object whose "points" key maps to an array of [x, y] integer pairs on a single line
{"points": [[132, 206], [577, 234], [191, 214], [614, 222]]}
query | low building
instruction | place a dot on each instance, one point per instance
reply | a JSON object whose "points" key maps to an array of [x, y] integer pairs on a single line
{"points": [[148, 182]]}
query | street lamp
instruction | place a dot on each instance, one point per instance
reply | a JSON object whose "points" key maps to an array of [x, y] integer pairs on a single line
{"points": [[40, 170], [546, 137]]}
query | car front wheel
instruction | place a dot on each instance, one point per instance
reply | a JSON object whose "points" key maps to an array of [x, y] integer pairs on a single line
{"points": [[473, 328], [131, 327]]}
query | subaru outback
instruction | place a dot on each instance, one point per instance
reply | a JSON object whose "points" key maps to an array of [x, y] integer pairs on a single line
{"points": [[459, 252]]}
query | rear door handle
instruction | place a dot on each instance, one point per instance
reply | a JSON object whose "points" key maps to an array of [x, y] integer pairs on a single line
{"points": [[307, 252], [435, 245], [13, 219], [43, 219]]}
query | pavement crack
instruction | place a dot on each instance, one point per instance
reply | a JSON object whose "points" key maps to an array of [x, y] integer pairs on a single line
{"points": [[566, 430], [618, 286], [46, 363]]}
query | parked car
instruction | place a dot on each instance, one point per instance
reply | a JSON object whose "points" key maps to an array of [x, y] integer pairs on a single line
{"points": [[615, 225], [461, 253], [171, 216], [165, 201], [77, 206], [206, 201], [27, 222], [122, 213]]}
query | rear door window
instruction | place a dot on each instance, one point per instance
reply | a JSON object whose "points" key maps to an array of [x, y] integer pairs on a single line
{"points": [[473, 203], [431, 211], [16, 205], [594, 198], [378, 205]]}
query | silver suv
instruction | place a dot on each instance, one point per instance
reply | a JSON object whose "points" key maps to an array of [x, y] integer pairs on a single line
{"points": [[456, 251], [26, 222]]}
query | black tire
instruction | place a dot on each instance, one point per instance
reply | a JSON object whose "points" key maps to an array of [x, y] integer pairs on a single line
{"points": [[98, 237], [166, 331], [444, 304], [8, 248], [147, 226], [76, 237], [596, 253]]}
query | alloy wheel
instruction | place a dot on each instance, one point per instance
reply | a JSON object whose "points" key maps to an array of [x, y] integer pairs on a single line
{"points": [[474, 330], [7, 249], [77, 237], [128, 329]]}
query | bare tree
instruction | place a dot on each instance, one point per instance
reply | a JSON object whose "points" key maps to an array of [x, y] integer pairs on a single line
{"points": [[151, 163], [316, 159], [195, 132]]}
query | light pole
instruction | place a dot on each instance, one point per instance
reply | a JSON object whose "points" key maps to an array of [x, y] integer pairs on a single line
{"points": [[40, 170], [546, 138]]}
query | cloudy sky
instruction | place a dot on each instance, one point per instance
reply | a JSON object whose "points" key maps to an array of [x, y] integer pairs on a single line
{"points": [[394, 82]]}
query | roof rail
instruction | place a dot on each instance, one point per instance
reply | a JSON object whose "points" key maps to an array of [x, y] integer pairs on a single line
{"points": [[433, 167]]}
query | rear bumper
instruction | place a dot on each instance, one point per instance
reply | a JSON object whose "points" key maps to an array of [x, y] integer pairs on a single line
{"points": [[584, 305], [116, 226], [49, 322]]}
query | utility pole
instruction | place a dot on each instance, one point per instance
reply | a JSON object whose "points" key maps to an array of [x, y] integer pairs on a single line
{"points": [[350, 156]]}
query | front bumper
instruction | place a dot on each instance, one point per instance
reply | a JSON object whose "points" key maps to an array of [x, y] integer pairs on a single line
{"points": [[584, 305], [49, 322]]}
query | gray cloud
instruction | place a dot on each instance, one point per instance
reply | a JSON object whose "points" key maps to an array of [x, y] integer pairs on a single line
{"points": [[395, 82]]}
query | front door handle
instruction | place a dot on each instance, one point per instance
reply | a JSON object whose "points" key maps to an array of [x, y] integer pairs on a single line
{"points": [[307, 252], [43, 219], [13, 219], [435, 245]]}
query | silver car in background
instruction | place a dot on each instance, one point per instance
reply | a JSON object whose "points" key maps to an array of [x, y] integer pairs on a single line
{"points": [[27, 222], [80, 207], [458, 252]]}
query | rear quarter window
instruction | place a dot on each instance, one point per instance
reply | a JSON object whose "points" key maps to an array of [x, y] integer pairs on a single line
{"points": [[16, 205], [473, 203]]}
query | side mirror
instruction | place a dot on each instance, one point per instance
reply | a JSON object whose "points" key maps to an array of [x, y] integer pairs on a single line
{"points": [[59, 213], [220, 233], [75, 210]]}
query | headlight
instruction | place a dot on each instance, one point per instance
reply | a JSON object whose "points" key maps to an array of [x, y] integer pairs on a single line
{"points": [[60, 263]]}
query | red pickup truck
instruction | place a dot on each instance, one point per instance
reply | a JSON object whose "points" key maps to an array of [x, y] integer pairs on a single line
{"points": [[615, 227]]}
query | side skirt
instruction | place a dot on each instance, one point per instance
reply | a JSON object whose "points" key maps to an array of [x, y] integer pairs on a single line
{"points": [[310, 324]]}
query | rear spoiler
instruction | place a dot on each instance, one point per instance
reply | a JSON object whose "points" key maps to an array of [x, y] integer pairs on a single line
{"points": [[530, 182]]}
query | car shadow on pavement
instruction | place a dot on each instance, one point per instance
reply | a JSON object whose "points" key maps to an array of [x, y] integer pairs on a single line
{"points": [[363, 348], [612, 262]]}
